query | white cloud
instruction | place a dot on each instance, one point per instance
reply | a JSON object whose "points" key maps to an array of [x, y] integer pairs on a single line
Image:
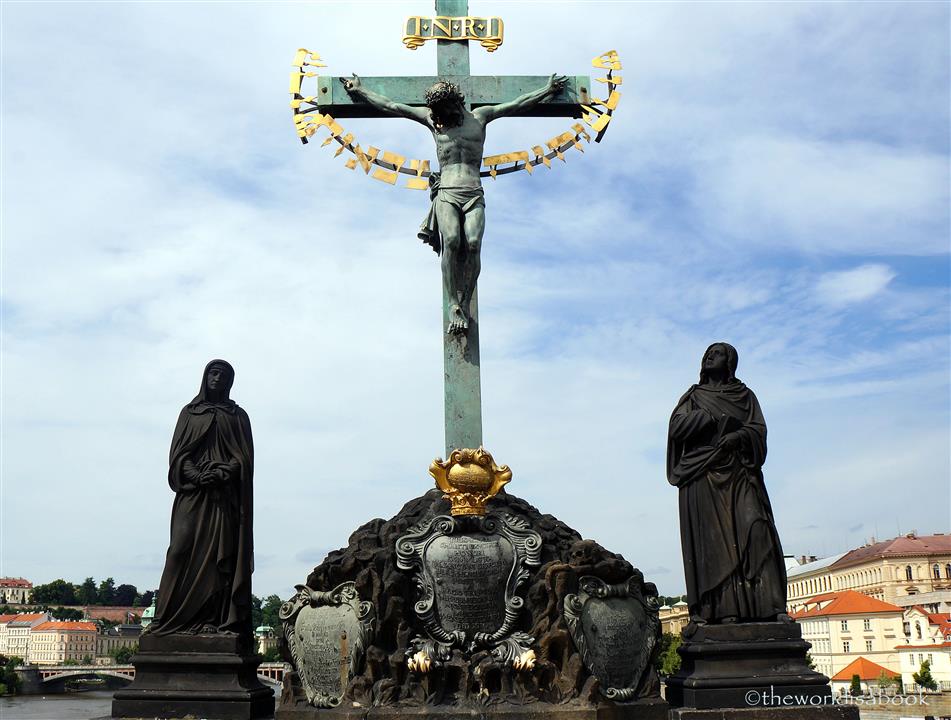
{"points": [[161, 212], [850, 286]]}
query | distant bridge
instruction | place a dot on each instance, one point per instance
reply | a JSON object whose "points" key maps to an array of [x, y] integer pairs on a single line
{"points": [[52, 675]]}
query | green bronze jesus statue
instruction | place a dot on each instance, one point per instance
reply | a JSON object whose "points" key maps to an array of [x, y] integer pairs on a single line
{"points": [[456, 221]]}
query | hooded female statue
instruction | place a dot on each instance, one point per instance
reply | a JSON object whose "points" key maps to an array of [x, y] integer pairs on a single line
{"points": [[206, 585], [716, 447]]}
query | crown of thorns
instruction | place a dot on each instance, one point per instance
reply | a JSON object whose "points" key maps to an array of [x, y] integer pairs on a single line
{"points": [[441, 91]]}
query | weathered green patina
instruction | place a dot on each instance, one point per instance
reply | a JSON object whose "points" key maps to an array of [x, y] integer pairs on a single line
{"points": [[463, 393]]}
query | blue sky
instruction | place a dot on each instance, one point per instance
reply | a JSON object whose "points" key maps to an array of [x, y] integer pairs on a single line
{"points": [[776, 176]]}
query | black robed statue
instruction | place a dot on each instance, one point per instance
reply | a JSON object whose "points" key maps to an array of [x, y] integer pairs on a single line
{"points": [[716, 447], [206, 585]]}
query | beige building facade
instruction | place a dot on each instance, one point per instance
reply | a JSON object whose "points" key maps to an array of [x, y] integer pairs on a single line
{"points": [[15, 633], [845, 626], [904, 571], [15, 591], [56, 642], [928, 639], [674, 618]]}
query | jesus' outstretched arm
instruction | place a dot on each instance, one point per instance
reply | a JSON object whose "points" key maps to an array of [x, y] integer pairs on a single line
{"points": [[381, 102], [488, 113]]}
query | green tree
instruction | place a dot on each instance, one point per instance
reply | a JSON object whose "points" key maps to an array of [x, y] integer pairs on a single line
{"points": [[58, 592], [62, 613], [107, 592], [123, 655], [125, 595], [269, 611], [884, 680], [8, 676], [855, 688], [810, 661], [668, 660], [923, 677], [147, 598], [88, 594], [272, 655], [256, 618], [87, 660]]}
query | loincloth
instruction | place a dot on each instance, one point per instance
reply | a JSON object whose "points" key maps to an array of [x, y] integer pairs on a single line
{"points": [[463, 199]]}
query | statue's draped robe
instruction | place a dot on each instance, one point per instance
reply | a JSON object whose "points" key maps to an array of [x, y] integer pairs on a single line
{"points": [[733, 560], [207, 577]]}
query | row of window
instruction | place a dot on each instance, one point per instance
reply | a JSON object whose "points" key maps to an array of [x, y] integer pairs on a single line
{"points": [[847, 646], [921, 659], [866, 625], [866, 577]]}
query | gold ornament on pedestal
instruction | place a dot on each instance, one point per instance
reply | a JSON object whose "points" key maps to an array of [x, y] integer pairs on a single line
{"points": [[469, 479]]}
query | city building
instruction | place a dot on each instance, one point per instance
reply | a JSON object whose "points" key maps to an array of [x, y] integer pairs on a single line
{"points": [[15, 591], [904, 571], [126, 635], [266, 639], [56, 642], [15, 634], [148, 615], [873, 678], [674, 618], [928, 638], [844, 627]]}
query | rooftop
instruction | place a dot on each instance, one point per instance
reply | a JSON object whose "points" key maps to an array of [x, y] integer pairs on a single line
{"points": [[65, 626], [15, 582], [909, 545], [865, 669], [847, 602], [813, 566]]}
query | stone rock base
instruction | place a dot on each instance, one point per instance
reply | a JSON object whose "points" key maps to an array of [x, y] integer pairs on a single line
{"points": [[737, 666], [825, 712], [206, 676], [640, 710]]}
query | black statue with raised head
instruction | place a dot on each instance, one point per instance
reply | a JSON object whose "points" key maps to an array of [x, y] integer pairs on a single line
{"points": [[206, 584], [716, 448]]}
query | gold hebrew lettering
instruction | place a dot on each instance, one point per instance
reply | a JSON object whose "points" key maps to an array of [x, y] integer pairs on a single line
{"points": [[540, 154], [607, 61], [385, 176], [393, 159], [350, 164], [613, 80], [613, 99], [344, 141], [579, 128], [417, 183]]}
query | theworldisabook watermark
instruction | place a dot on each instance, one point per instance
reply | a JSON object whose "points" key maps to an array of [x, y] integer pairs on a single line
{"points": [[771, 698]]}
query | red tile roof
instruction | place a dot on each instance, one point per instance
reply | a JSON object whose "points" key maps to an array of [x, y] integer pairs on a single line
{"points": [[6, 618], [65, 625], [919, 647], [865, 669], [907, 545], [15, 582], [28, 617], [847, 602]]}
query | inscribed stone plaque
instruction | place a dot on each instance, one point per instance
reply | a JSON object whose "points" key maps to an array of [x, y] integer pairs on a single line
{"points": [[469, 574], [615, 631], [327, 633]]}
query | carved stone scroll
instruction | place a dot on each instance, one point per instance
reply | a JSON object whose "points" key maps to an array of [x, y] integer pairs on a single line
{"points": [[327, 634], [615, 628], [468, 573]]}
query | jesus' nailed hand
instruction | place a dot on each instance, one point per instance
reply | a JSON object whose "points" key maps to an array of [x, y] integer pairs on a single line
{"points": [[458, 210]]}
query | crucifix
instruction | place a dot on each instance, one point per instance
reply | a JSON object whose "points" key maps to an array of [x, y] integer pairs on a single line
{"points": [[456, 107]]}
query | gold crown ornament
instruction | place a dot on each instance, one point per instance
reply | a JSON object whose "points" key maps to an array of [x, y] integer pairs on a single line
{"points": [[468, 479]]}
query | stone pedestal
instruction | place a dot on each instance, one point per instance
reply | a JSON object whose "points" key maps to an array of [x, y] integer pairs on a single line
{"points": [[747, 665], [649, 709], [825, 712], [209, 676]]}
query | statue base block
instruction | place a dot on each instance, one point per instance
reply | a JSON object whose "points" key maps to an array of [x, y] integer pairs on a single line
{"points": [[653, 709], [209, 676], [759, 666], [825, 712]]}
